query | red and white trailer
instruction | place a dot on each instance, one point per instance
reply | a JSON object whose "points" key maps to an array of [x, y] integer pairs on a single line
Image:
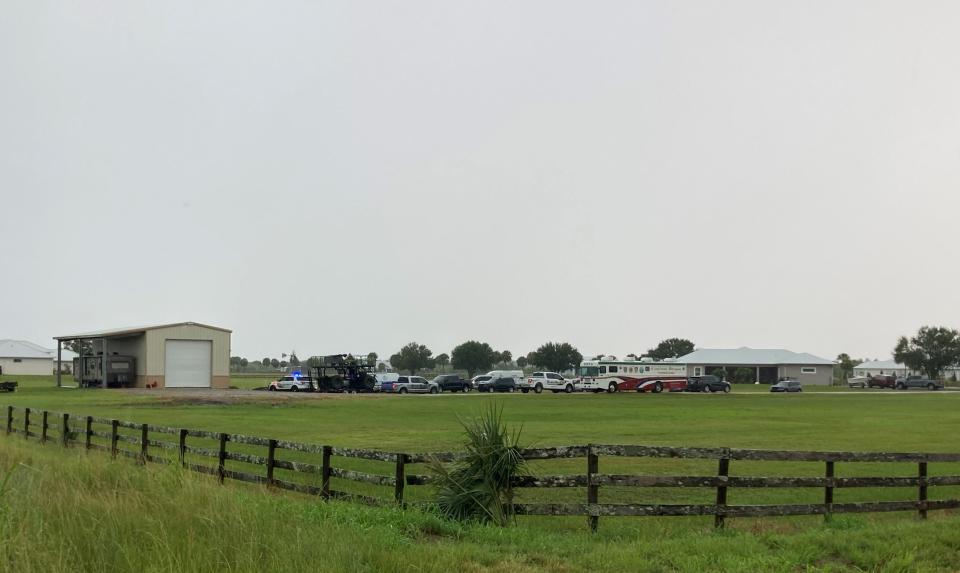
{"points": [[611, 375]]}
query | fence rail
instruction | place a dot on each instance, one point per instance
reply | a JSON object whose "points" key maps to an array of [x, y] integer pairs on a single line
{"points": [[149, 440]]}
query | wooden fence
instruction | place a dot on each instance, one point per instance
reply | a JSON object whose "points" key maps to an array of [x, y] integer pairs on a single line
{"points": [[148, 441]]}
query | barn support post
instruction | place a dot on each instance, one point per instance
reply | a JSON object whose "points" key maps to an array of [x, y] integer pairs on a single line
{"points": [[144, 442], [722, 472], [103, 363], [271, 461], [828, 493], [9, 420], [922, 491], [65, 429], [400, 478], [222, 458], [593, 490], [43, 427], [89, 433], [59, 363], [325, 472], [26, 423], [114, 437]]}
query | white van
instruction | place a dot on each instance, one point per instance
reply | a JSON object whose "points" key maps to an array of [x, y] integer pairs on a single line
{"points": [[517, 375]]}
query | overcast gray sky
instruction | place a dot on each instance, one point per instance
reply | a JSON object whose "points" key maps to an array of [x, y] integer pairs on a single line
{"points": [[351, 176]]}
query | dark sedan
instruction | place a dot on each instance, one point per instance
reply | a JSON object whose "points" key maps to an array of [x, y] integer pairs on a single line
{"points": [[498, 385], [787, 386], [706, 384]]}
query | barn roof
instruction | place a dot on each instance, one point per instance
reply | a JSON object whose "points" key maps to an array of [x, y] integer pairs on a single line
{"points": [[132, 330]]}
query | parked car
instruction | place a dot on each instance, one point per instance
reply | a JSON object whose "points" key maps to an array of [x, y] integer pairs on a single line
{"points": [[707, 384], [292, 383], [857, 382], [503, 384], [517, 375], [452, 383], [414, 385], [538, 381], [918, 382], [385, 381], [476, 380], [882, 381], [787, 385]]}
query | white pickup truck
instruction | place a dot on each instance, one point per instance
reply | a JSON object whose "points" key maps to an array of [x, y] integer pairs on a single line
{"points": [[540, 381]]}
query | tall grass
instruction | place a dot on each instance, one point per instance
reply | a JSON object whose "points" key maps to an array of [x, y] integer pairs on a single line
{"points": [[65, 510]]}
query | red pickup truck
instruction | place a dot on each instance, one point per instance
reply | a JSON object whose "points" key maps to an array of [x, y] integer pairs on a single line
{"points": [[882, 381]]}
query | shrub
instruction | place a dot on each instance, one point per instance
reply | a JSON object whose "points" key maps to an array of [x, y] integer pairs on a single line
{"points": [[478, 486]]}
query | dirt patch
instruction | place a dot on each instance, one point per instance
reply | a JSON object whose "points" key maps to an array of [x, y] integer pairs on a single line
{"points": [[211, 397]]}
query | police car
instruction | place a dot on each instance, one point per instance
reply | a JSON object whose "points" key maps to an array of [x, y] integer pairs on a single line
{"points": [[293, 383]]}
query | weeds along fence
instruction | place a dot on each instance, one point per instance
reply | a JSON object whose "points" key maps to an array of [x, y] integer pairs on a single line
{"points": [[383, 477]]}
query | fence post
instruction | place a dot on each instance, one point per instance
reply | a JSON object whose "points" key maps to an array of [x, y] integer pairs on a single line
{"points": [[143, 443], [401, 479], [9, 420], [43, 427], [222, 458], [271, 460], [183, 447], [114, 437], [325, 472], [922, 474], [593, 490], [65, 429], [88, 441], [828, 493], [722, 472], [26, 423]]}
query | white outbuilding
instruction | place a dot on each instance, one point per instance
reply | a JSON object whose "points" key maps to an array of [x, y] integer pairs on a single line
{"points": [[21, 357]]}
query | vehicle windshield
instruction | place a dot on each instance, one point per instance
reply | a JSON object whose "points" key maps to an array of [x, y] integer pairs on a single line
{"points": [[588, 371]]}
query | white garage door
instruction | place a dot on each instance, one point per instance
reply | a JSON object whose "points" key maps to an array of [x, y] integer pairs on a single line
{"points": [[187, 364]]}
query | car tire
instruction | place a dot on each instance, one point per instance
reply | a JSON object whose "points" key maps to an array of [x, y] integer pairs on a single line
{"points": [[466, 388], [435, 390], [726, 389], [538, 388], [900, 387], [511, 389], [271, 388], [706, 389], [294, 389], [612, 388], [657, 388], [931, 387], [402, 391], [568, 389]]}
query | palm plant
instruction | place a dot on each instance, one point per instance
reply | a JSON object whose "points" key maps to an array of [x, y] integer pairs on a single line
{"points": [[478, 486]]}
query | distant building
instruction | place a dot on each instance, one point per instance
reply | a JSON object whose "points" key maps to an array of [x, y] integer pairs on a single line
{"points": [[20, 357], [894, 368], [769, 365]]}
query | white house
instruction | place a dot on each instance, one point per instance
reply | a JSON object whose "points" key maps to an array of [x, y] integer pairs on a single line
{"points": [[20, 357], [767, 364]]}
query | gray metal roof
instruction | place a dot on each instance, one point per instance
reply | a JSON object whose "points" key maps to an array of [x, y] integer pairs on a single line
{"points": [[750, 356], [880, 365], [132, 330], [27, 349]]}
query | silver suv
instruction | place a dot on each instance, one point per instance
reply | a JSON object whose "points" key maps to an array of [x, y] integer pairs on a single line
{"points": [[415, 385]]}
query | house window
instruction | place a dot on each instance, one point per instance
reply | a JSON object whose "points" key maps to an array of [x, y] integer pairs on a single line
{"points": [[17, 360], [808, 370], [697, 371]]}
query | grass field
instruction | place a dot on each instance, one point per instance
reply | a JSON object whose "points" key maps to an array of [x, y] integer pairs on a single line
{"points": [[260, 524]]}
